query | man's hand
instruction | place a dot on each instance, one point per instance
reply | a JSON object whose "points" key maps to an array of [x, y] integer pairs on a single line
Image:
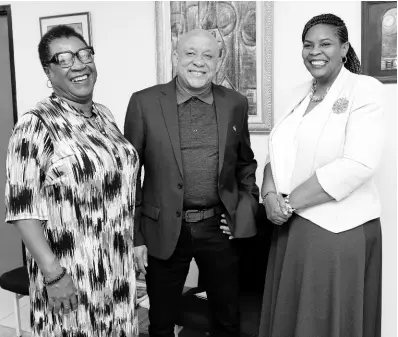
{"points": [[141, 258], [224, 227], [276, 209]]}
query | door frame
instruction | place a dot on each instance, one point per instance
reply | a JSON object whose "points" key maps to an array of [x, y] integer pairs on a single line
{"points": [[6, 10]]}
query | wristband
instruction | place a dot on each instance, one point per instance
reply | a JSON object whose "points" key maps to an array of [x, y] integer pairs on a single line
{"points": [[55, 280], [290, 209]]}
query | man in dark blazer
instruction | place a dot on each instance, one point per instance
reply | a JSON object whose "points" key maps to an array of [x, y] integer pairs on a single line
{"points": [[193, 140]]}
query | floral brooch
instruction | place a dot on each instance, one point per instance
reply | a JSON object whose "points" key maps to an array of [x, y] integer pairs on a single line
{"points": [[340, 105]]}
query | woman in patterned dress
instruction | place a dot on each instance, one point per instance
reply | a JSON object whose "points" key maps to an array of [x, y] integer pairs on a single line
{"points": [[70, 190]]}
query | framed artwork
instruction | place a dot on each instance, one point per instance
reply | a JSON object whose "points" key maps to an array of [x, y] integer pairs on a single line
{"points": [[80, 22], [379, 40], [244, 31]]}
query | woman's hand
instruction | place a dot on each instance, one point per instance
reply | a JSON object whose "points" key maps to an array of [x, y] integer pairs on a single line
{"points": [[62, 292], [276, 209]]}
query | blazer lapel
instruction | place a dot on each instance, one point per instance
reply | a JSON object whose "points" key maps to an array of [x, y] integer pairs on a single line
{"points": [[222, 113], [168, 102], [299, 94]]}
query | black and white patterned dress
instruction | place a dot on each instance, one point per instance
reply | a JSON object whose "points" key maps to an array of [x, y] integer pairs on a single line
{"points": [[78, 176]]}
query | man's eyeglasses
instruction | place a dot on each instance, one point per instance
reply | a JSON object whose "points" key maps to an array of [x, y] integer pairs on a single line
{"points": [[66, 58]]}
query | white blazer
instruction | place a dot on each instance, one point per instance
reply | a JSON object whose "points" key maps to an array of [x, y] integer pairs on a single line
{"points": [[346, 151]]}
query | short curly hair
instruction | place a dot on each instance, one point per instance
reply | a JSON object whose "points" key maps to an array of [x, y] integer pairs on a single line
{"points": [[352, 64], [58, 32]]}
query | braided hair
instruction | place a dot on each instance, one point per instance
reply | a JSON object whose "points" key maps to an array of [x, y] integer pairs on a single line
{"points": [[352, 63]]}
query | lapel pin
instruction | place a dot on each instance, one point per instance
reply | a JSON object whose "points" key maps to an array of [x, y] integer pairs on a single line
{"points": [[234, 127]]}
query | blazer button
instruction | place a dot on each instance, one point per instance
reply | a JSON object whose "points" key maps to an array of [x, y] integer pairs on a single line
{"points": [[179, 186], [178, 214]]}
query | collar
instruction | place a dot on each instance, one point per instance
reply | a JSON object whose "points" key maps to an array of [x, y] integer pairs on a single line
{"points": [[74, 110], [183, 95]]}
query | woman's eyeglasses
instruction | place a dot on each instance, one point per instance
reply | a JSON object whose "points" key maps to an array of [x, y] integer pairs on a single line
{"points": [[66, 58]]}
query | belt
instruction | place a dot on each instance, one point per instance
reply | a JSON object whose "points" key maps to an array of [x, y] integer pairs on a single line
{"points": [[196, 215]]}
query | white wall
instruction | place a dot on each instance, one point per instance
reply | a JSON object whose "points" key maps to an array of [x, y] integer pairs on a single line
{"points": [[130, 27]]}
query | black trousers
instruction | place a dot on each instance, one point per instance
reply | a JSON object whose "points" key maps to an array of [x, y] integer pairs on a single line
{"points": [[217, 261]]}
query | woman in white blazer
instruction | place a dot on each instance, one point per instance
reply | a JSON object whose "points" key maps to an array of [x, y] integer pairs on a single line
{"points": [[324, 269]]}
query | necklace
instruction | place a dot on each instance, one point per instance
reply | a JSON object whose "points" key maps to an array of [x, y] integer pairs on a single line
{"points": [[316, 98]]}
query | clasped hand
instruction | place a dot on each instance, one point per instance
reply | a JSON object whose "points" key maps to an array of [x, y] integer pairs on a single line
{"points": [[276, 209]]}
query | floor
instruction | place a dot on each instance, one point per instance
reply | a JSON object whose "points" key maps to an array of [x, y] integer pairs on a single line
{"points": [[7, 318]]}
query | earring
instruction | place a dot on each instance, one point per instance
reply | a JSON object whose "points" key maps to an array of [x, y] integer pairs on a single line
{"points": [[49, 84], [344, 59]]}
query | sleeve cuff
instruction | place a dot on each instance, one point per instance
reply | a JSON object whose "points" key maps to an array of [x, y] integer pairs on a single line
{"points": [[26, 216], [138, 240], [328, 186]]}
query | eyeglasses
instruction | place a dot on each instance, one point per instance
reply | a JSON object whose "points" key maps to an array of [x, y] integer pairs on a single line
{"points": [[66, 59]]}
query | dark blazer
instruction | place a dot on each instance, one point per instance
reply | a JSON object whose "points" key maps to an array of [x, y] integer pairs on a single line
{"points": [[151, 125]]}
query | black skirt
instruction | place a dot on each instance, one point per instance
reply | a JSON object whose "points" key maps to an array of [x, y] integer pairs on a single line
{"points": [[323, 284]]}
